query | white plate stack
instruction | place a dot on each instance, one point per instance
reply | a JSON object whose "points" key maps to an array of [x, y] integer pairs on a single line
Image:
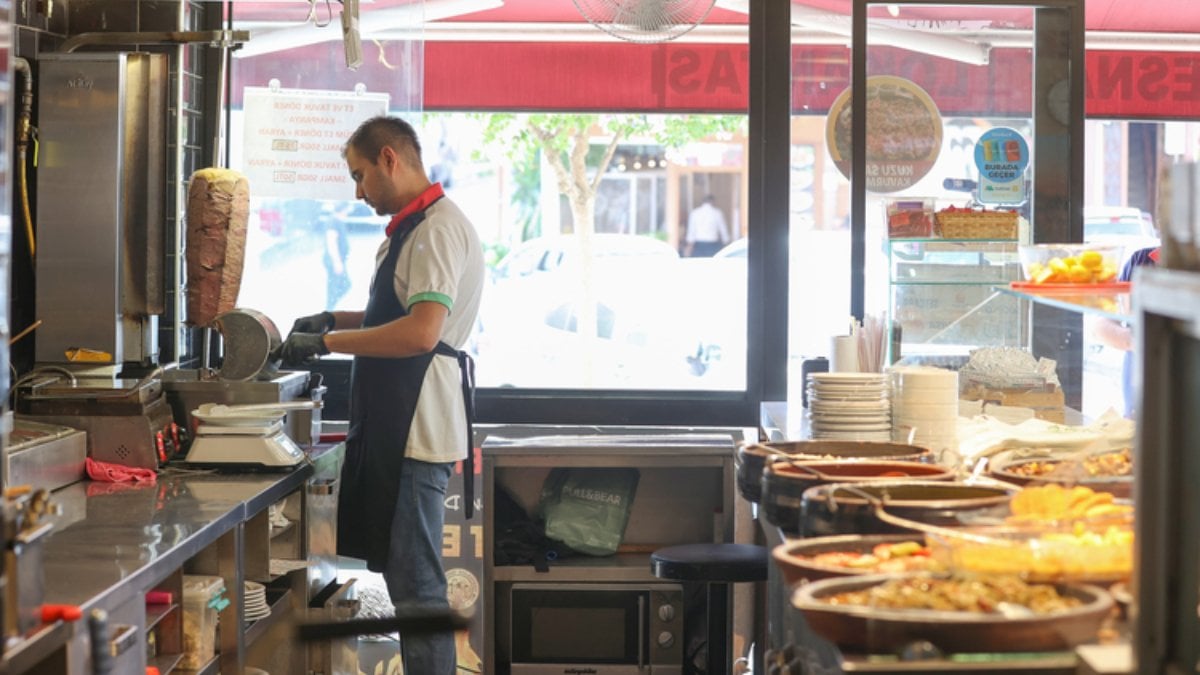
{"points": [[925, 407], [256, 602], [849, 406]]}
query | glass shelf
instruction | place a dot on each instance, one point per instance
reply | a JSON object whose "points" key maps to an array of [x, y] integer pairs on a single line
{"points": [[936, 240], [1116, 305], [919, 282], [942, 298]]}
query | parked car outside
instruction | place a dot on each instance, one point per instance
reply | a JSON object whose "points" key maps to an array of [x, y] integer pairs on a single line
{"points": [[1131, 228], [661, 321], [534, 273], [734, 249], [552, 253], [637, 339]]}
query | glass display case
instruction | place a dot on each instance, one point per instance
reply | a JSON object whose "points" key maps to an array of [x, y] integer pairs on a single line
{"points": [[943, 298]]}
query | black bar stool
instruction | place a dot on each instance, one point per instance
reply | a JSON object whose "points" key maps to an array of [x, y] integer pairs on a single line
{"points": [[717, 566]]}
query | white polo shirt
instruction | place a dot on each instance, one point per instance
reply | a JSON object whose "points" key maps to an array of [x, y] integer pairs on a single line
{"points": [[442, 261]]}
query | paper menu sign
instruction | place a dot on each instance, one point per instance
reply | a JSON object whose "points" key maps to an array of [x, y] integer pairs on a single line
{"points": [[293, 139]]}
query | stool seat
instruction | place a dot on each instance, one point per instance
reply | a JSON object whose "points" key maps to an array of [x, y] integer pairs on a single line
{"points": [[711, 562]]}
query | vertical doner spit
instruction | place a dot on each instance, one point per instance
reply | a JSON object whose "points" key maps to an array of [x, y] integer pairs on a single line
{"points": [[218, 208]]}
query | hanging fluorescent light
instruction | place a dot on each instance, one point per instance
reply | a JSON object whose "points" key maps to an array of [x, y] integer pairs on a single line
{"points": [[945, 46]]}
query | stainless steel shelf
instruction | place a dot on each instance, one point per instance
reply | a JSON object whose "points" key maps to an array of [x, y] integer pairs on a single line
{"points": [[620, 567], [279, 603]]}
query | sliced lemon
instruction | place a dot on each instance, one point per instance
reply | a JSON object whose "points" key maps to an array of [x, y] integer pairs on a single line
{"points": [[1078, 274], [1044, 277], [1091, 259]]}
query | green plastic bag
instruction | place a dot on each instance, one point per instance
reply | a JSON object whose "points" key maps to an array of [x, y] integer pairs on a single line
{"points": [[587, 509]]}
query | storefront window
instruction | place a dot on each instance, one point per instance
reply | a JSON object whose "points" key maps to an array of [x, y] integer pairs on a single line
{"points": [[594, 280], [934, 89]]}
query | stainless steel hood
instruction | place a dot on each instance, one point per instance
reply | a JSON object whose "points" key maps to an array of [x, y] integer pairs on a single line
{"points": [[100, 209]]}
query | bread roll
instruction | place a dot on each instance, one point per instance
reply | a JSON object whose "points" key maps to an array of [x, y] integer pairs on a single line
{"points": [[218, 207]]}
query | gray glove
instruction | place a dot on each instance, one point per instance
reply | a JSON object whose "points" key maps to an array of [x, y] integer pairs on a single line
{"points": [[317, 323], [302, 349]]}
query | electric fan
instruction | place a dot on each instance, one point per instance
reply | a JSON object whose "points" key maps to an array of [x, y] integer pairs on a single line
{"points": [[645, 21]]}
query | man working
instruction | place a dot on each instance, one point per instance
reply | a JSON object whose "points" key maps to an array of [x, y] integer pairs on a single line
{"points": [[1119, 335], [409, 398], [706, 230]]}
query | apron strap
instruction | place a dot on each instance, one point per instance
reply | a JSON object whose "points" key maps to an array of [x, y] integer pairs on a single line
{"points": [[466, 366]]}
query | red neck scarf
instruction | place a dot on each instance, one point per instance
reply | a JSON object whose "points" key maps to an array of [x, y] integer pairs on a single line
{"points": [[422, 202]]}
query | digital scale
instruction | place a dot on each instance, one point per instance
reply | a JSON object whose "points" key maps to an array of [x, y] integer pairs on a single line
{"points": [[247, 437]]}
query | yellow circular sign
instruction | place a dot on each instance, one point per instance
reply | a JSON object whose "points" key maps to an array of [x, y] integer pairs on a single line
{"points": [[904, 133], [462, 588]]}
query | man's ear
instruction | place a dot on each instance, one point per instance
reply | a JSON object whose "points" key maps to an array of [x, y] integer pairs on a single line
{"points": [[387, 157]]}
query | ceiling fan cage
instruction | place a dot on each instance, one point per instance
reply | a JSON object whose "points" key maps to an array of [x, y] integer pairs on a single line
{"points": [[645, 21]]}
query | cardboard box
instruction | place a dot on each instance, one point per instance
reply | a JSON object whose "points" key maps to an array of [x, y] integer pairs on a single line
{"points": [[1048, 403]]}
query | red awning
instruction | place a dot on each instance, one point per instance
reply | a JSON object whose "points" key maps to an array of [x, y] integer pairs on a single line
{"points": [[681, 77], [697, 77], [1138, 16]]}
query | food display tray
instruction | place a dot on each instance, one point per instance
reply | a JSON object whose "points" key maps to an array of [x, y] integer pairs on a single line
{"points": [[1107, 287]]}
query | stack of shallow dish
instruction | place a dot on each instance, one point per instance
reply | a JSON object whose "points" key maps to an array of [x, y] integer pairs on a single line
{"points": [[849, 406], [256, 602], [925, 407]]}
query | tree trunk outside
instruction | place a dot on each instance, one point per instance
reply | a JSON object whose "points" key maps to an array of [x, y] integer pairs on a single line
{"points": [[583, 211]]}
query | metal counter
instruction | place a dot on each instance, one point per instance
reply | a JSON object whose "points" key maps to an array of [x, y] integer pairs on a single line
{"points": [[130, 536], [115, 541]]}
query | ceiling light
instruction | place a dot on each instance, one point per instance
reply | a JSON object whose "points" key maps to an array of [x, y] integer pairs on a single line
{"points": [[945, 46]]}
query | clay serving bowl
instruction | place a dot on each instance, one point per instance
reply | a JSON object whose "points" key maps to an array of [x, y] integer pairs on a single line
{"points": [[795, 557], [751, 458], [849, 508], [886, 630], [784, 482], [1090, 471]]}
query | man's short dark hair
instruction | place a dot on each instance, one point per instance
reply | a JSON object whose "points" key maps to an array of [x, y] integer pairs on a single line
{"points": [[373, 135]]}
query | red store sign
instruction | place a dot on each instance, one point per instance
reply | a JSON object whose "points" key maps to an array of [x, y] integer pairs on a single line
{"points": [[679, 77]]}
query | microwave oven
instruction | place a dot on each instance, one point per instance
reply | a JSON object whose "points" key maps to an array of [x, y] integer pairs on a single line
{"points": [[595, 629]]}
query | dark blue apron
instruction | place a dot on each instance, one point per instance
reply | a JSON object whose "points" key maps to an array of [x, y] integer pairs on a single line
{"points": [[383, 400]]}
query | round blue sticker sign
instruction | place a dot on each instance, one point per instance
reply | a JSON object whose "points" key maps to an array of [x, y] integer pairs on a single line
{"points": [[1001, 155]]}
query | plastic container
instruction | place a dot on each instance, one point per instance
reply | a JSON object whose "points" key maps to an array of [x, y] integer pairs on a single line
{"points": [[910, 218], [203, 599], [1079, 552], [1082, 264]]}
